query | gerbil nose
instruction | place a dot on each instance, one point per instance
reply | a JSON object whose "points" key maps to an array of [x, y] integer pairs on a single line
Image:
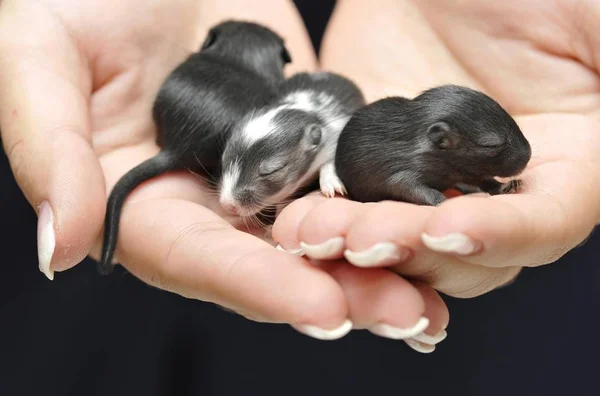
{"points": [[231, 207], [245, 196]]}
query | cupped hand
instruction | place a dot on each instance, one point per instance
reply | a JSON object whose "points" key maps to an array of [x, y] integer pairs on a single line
{"points": [[77, 82], [541, 62]]}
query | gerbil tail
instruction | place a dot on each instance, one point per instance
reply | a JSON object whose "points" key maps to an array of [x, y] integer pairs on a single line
{"points": [[159, 164]]}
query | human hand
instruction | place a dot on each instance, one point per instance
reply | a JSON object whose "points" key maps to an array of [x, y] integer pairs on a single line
{"points": [[77, 82], [541, 63]]}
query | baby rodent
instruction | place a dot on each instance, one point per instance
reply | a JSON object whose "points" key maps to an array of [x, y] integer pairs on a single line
{"points": [[288, 144], [238, 69], [412, 150]]}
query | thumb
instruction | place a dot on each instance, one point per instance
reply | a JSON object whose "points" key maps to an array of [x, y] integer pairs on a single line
{"points": [[45, 131]]}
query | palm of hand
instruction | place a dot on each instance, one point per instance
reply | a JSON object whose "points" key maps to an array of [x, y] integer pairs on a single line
{"points": [[71, 157], [122, 130], [537, 63], [123, 135]]}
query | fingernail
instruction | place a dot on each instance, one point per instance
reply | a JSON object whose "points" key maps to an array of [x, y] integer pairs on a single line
{"points": [[327, 249], [420, 347], [431, 339], [397, 333], [324, 334], [383, 253], [296, 252], [451, 243], [45, 239]]}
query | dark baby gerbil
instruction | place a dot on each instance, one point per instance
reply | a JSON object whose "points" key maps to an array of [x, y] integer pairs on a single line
{"points": [[237, 70], [412, 150]]}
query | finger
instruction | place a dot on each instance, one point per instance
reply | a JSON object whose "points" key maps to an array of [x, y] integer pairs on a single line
{"points": [[379, 300], [322, 231], [556, 210], [389, 306], [533, 228], [373, 294], [197, 254], [45, 134], [285, 227], [439, 318], [388, 234]]}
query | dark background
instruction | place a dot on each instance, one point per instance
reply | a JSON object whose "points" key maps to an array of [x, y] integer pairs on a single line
{"points": [[89, 335]]}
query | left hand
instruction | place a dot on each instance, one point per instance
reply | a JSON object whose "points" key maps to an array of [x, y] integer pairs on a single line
{"points": [[541, 62], [67, 153]]}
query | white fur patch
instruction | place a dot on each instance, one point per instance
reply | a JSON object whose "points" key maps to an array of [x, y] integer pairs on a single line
{"points": [[228, 183], [300, 100], [259, 127], [337, 124]]}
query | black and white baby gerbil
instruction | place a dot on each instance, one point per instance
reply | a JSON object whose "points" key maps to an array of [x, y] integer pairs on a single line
{"points": [[238, 69], [288, 144], [412, 150]]}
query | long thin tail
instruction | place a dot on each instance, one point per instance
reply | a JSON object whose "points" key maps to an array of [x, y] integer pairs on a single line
{"points": [[161, 163]]}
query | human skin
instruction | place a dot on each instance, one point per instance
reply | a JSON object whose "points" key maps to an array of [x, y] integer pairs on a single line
{"points": [[541, 61], [77, 82]]}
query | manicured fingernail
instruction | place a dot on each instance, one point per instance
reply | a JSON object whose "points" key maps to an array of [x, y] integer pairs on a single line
{"points": [[296, 252], [383, 253], [397, 333], [431, 339], [420, 347], [324, 334], [325, 250], [45, 239], [451, 243]]}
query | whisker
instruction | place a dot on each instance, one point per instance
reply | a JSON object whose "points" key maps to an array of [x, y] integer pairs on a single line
{"points": [[200, 177], [250, 222], [203, 167], [245, 223], [256, 221], [253, 221], [259, 223]]}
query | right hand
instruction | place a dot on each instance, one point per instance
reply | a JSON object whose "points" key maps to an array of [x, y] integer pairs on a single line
{"points": [[77, 82]]}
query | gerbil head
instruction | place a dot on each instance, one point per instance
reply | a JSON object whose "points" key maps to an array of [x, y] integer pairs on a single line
{"points": [[269, 159], [471, 130], [252, 45]]}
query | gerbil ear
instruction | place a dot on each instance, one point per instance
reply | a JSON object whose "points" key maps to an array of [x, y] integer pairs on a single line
{"points": [[313, 135], [285, 55], [209, 40], [442, 136]]}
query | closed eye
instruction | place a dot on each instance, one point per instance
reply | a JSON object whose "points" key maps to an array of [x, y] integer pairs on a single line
{"points": [[270, 170], [491, 142], [492, 146]]}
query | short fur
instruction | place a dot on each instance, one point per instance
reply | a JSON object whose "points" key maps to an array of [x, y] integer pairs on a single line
{"points": [[412, 150], [237, 70], [266, 162]]}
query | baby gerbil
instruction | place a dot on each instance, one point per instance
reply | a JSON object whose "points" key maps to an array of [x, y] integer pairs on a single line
{"points": [[237, 69], [288, 144], [412, 150]]}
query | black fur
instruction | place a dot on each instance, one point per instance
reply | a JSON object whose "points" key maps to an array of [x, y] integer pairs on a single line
{"points": [[237, 70], [412, 150]]}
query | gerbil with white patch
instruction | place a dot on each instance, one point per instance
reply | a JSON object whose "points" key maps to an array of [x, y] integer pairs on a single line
{"points": [[412, 150], [238, 69], [288, 144]]}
